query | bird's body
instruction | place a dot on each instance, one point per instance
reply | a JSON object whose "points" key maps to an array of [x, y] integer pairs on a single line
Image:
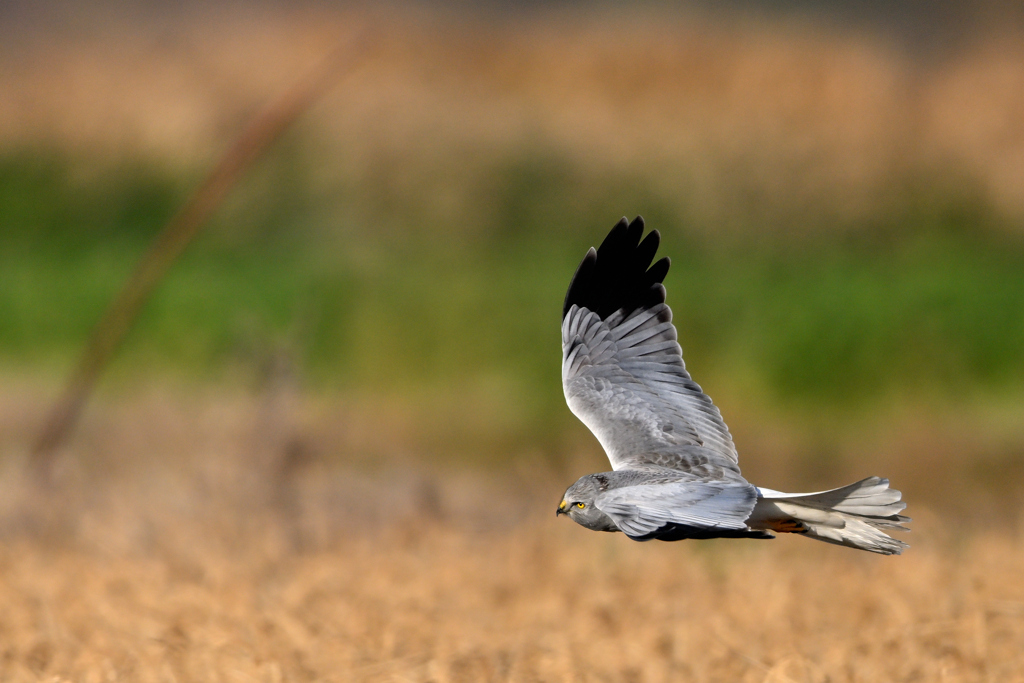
{"points": [[675, 468]]}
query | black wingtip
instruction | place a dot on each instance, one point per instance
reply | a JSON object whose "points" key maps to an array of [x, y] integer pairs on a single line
{"points": [[619, 273]]}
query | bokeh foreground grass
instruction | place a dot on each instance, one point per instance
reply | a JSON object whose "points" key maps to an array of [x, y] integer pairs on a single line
{"points": [[428, 601], [220, 537]]}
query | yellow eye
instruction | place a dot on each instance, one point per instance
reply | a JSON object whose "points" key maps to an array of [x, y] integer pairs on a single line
{"points": [[580, 505]]}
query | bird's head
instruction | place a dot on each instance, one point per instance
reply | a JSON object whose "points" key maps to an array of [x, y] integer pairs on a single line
{"points": [[578, 504]]}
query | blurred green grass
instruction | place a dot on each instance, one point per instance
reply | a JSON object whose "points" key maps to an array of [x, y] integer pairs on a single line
{"points": [[370, 290]]}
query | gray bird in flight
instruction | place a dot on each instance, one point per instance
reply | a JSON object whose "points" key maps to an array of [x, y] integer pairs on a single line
{"points": [[675, 471]]}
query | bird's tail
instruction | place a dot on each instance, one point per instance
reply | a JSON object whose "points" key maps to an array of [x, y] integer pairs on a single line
{"points": [[857, 515]]}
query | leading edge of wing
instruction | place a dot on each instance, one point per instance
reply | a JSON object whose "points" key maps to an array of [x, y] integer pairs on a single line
{"points": [[675, 510]]}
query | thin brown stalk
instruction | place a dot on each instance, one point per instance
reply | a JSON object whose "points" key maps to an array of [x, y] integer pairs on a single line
{"points": [[177, 234]]}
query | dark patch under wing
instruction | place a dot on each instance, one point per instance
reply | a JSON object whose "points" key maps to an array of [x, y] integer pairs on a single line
{"points": [[681, 532]]}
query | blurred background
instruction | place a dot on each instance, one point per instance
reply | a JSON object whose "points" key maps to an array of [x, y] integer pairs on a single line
{"points": [[367, 332]]}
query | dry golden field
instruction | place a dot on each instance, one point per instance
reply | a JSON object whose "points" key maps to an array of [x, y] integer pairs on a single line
{"points": [[541, 601], [200, 538]]}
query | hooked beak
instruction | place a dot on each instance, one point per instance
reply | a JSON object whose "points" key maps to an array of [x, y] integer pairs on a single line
{"points": [[561, 509]]}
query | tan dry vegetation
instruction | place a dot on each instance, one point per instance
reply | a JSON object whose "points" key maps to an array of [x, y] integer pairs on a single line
{"points": [[539, 601], [779, 115], [280, 537]]}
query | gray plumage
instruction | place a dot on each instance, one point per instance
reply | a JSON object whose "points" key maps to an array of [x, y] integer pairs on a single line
{"points": [[676, 473]]}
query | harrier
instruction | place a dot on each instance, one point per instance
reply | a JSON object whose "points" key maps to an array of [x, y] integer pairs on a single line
{"points": [[675, 468]]}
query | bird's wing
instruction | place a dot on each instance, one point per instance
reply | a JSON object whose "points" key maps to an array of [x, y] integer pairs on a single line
{"points": [[703, 509], [622, 368]]}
